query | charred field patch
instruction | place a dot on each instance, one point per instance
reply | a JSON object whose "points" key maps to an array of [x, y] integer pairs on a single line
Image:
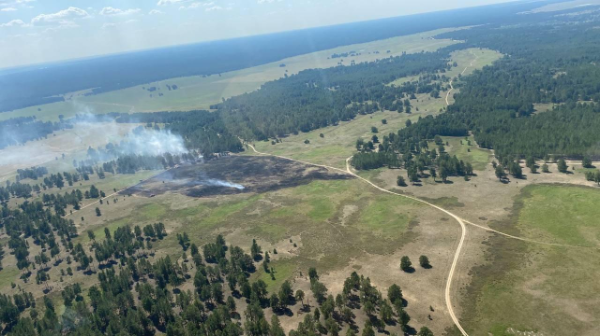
{"points": [[233, 175]]}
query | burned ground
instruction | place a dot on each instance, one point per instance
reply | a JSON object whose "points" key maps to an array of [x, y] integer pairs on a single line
{"points": [[233, 175]]}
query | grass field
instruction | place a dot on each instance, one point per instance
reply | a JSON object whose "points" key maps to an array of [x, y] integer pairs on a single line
{"points": [[271, 217], [562, 215], [473, 58], [403, 80], [338, 142], [199, 92], [530, 288], [468, 60], [543, 107], [466, 149]]}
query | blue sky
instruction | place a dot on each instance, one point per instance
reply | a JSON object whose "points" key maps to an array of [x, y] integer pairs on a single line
{"points": [[37, 31]]}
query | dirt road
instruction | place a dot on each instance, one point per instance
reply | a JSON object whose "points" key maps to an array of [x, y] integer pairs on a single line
{"points": [[462, 73], [448, 94], [463, 234], [458, 219]]}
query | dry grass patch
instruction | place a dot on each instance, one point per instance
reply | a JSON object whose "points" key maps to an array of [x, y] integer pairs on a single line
{"points": [[551, 286]]}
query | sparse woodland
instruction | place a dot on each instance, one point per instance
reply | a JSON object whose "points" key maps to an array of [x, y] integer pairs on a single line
{"points": [[548, 59], [138, 293]]}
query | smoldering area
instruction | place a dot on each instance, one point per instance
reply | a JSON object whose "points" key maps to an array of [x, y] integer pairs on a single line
{"points": [[233, 175]]}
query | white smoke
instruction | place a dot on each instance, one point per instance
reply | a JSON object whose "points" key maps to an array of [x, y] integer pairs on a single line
{"points": [[109, 139], [152, 142], [72, 143], [202, 180], [221, 183], [88, 130], [139, 141]]}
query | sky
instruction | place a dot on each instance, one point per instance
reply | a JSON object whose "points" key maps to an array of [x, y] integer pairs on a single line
{"points": [[38, 31]]}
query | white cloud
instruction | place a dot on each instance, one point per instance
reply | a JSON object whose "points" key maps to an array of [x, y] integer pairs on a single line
{"points": [[208, 6], [155, 12], [214, 8], [8, 9], [260, 2], [110, 25], [61, 17], [14, 23], [169, 2], [63, 24], [111, 11], [14, 3], [200, 4]]}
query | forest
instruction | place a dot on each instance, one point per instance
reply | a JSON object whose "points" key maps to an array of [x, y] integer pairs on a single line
{"points": [[496, 104], [548, 66], [318, 98], [557, 65]]}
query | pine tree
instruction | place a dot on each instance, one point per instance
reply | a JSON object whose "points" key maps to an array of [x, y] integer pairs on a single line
{"points": [[562, 166], [276, 329], [405, 264], [500, 174], [545, 168], [424, 261]]}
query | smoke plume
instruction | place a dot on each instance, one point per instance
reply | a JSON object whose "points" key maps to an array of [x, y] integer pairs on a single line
{"points": [[109, 140], [220, 183], [143, 141]]}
